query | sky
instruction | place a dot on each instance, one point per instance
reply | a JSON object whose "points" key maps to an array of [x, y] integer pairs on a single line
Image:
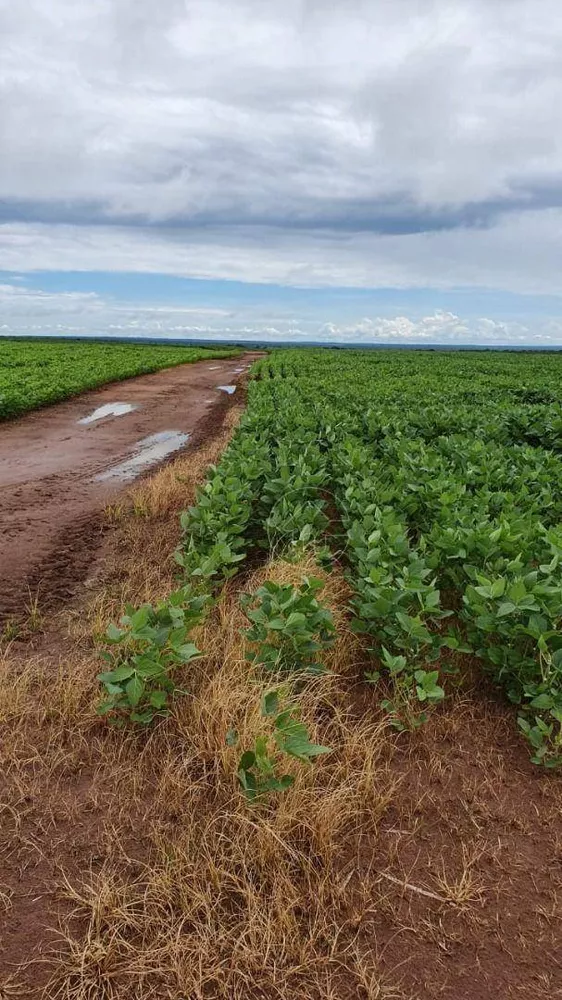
{"points": [[374, 171]]}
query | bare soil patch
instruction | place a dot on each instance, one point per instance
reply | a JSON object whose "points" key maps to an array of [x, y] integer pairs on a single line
{"points": [[51, 498]]}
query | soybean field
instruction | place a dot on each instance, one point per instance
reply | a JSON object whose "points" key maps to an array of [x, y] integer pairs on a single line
{"points": [[305, 710], [435, 479], [34, 373]]}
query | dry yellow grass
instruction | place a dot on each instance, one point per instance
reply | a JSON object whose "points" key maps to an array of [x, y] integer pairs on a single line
{"points": [[213, 898], [235, 901], [226, 900]]}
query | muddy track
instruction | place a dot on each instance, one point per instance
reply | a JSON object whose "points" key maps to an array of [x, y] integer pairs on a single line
{"points": [[59, 468]]}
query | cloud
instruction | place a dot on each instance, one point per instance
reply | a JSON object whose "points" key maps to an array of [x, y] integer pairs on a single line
{"points": [[24, 310], [16, 301], [30, 311], [295, 142], [520, 254], [294, 113], [443, 328]]}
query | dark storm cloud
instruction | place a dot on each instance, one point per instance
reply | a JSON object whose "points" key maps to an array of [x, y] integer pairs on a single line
{"points": [[398, 215]]}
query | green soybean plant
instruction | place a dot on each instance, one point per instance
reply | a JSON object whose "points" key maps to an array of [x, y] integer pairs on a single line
{"points": [[410, 690], [143, 653], [260, 771], [544, 734], [289, 626]]}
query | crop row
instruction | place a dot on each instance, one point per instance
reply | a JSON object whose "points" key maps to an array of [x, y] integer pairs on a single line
{"points": [[36, 372], [435, 477]]}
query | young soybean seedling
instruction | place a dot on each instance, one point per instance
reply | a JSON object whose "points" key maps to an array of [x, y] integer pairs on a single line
{"points": [[259, 768], [289, 626], [149, 645], [406, 684]]}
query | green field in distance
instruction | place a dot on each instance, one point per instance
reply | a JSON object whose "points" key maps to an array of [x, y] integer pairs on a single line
{"points": [[34, 373]]}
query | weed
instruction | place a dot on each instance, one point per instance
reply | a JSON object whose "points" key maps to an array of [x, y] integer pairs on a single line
{"points": [[409, 689], [10, 631]]}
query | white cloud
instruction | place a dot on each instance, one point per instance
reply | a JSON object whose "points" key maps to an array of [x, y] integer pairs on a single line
{"points": [[520, 254], [363, 144], [430, 328], [27, 311], [16, 301], [278, 109], [444, 328]]}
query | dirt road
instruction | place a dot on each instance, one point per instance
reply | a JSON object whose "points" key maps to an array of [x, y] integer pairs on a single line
{"points": [[60, 466]]}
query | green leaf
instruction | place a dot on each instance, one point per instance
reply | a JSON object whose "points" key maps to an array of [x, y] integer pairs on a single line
{"points": [[284, 782], [542, 701], [140, 617], [143, 717], [507, 608], [134, 690], [498, 588], [451, 642], [119, 674], [247, 760], [276, 624], [114, 634], [158, 699], [296, 620], [315, 750], [188, 651], [517, 591], [105, 707], [270, 703], [113, 688], [249, 784], [306, 533], [293, 739]]}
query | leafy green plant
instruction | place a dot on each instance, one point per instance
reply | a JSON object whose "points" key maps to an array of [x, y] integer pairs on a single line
{"points": [[260, 770], [215, 531], [441, 472], [35, 372], [545, 737], [410, 688], [289, 626], [145, 650], [290, 504]]}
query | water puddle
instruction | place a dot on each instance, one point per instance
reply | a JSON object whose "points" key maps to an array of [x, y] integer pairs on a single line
{"points": [[147, 452], [214, 368], [109, 410], [227, 388]]}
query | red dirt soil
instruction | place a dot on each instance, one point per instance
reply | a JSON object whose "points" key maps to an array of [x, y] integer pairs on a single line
{"points": [[50, 501]]}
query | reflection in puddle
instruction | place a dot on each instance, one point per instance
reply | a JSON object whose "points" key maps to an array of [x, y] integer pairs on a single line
{"points": [[227, 388], [214, 368], [148, 451], [109, 410]]}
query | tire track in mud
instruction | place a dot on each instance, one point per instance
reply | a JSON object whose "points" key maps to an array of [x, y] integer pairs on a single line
{"points": [[52, 486]]}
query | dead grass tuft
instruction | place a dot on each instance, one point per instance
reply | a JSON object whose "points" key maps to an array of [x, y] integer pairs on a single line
{"points": [[215, 898]]}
